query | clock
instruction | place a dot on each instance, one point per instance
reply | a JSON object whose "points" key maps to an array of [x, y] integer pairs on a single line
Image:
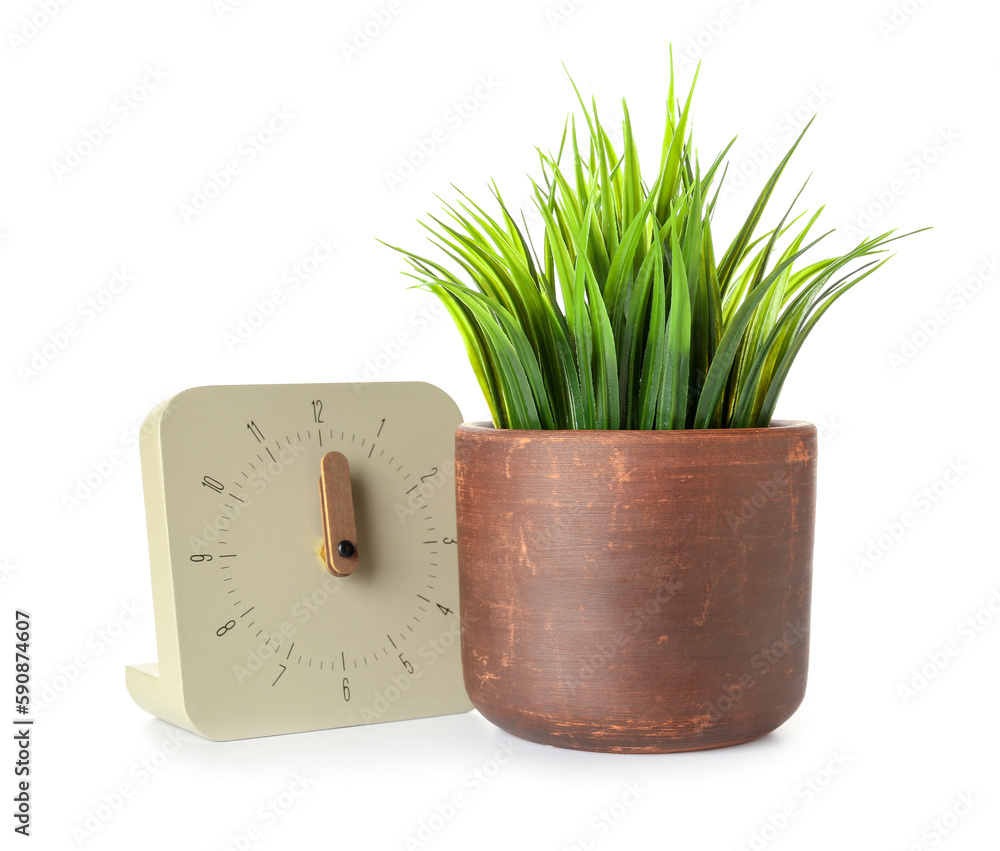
{"points": [[302, 547]]}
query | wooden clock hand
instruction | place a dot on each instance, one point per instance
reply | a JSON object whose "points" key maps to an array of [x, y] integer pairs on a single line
{"points": [[340, 535]]}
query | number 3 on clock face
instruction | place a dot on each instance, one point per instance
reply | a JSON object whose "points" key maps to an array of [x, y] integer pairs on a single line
{"points": [[302, 548]]}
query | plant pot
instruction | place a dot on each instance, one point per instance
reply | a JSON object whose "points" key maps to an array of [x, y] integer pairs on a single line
{"points": [[636, 591]]}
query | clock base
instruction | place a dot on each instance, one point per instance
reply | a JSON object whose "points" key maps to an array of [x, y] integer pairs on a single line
{"points": [[149, 690]]}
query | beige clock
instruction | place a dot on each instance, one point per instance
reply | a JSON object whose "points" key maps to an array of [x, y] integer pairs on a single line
{"points": [[303, 558]]}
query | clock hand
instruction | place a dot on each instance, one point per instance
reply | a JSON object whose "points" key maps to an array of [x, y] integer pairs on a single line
{"points": [[340, 536]]}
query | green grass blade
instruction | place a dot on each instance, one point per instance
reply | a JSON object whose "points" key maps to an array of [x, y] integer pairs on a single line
{"points": [[734, 254], [670, 161], [781, 373], [515, 385], [674, 391], [481, 359], [718, 373], [655, 348]]}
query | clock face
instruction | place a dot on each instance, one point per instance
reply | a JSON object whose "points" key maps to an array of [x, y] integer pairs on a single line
{"points": [[265, 638]]}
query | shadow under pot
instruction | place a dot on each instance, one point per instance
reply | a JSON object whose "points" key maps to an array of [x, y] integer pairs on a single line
{"points": [[636, 591]]}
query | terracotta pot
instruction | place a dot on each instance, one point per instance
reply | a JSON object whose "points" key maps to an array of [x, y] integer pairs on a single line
{"points": [[636, 591]]}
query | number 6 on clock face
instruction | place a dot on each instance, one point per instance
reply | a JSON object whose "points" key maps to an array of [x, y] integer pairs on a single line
{"points": [[303, 557]]}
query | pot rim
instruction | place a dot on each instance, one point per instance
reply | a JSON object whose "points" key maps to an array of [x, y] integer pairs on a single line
{"points": [[786, 427]]}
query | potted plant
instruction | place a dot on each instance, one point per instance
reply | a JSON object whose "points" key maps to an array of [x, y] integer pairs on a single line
{"points": [[635, 532]]}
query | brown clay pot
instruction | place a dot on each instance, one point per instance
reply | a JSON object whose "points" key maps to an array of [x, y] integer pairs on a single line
{"points": [[636, 591]]}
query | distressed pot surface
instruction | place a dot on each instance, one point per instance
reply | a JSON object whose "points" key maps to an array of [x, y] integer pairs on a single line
{"points": [[636, 591]]}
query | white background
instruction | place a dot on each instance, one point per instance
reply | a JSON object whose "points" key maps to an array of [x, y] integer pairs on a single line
{"points": [[898, 376]]}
